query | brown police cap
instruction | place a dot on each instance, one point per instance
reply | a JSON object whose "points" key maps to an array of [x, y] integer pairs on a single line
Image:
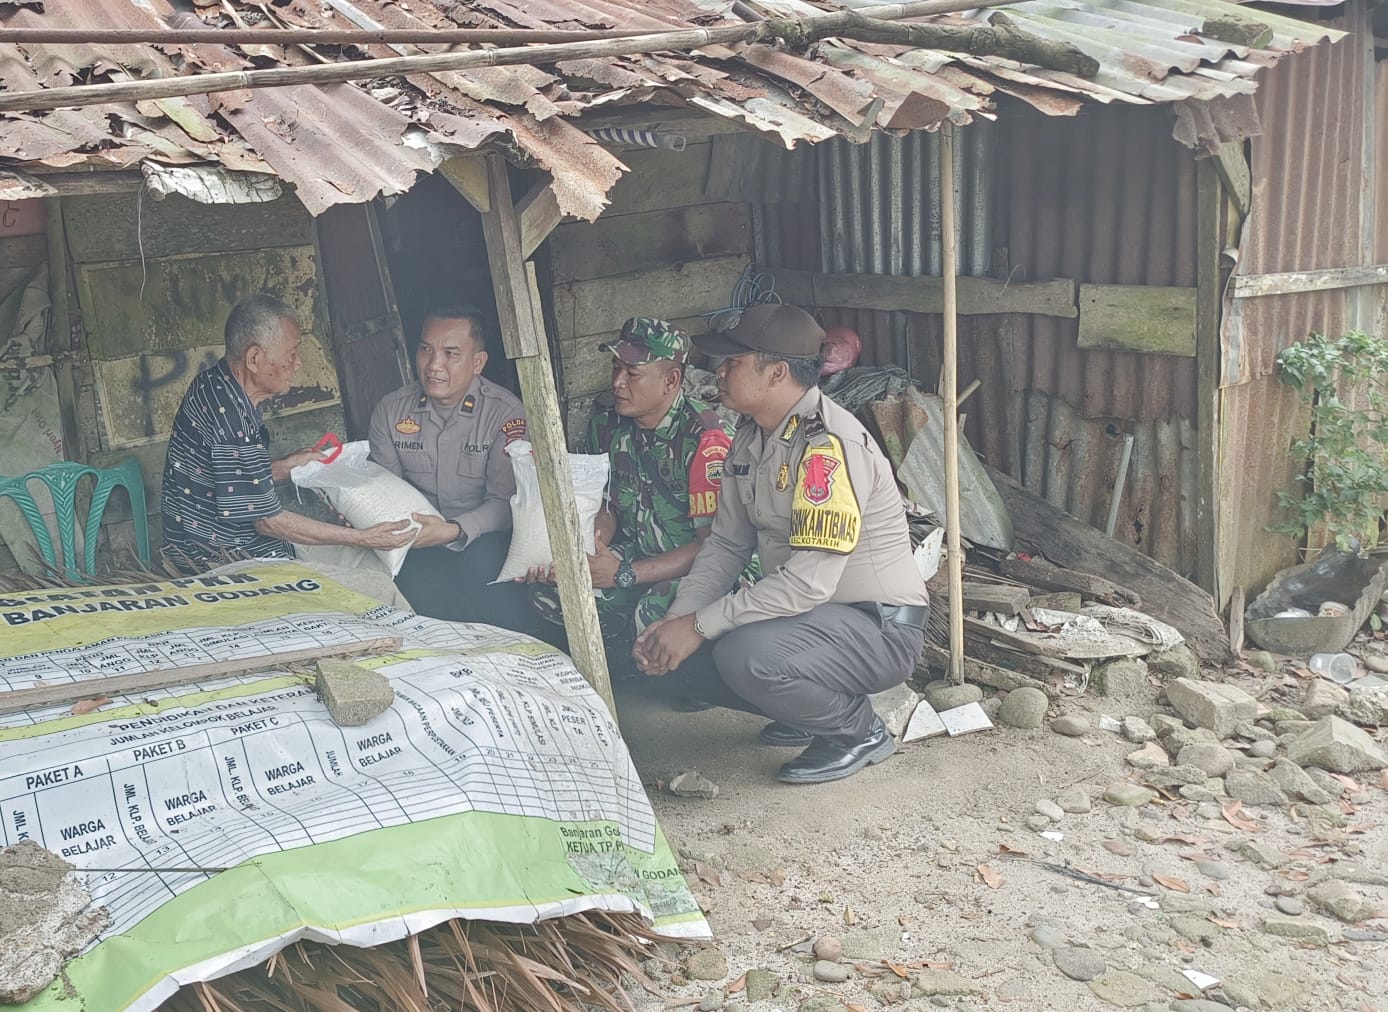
{"points": [[773, 328]]}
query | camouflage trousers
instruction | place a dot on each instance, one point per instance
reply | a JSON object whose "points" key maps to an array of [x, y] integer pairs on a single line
{"points": [[622, 614]]}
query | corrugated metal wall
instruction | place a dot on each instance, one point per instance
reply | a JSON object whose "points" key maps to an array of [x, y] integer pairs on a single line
{"points": [[1314, 181], [1105, 198]]}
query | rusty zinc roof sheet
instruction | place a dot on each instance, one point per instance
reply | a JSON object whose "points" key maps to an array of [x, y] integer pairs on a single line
{"points": [[352, 142]]}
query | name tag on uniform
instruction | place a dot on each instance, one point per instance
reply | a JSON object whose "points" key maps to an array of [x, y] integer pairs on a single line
{"points": [[402, 444], [476, 447], [741, 470]]}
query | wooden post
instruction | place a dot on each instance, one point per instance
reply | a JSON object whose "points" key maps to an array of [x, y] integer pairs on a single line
{"points": [[523, 334], [949, 383], [1207, 363]]}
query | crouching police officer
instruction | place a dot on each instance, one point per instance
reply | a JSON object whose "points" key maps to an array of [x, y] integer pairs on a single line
{"points": [[841, 611]]}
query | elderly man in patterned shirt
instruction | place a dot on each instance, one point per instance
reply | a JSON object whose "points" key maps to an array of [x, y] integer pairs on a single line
{"points": [[667, 452], [219, 496]]}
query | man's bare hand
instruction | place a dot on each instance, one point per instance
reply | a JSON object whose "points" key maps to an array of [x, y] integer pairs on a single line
{"points": [[391, 534], [537, 574], [279, 470], [434, 530], [666, 644], [602, 565]]}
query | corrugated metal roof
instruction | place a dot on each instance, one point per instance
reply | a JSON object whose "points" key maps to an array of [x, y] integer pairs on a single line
{"points": [[348, 143]]}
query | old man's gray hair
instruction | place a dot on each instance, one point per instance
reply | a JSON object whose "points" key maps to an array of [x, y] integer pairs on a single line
{"points": [[255, 320]]}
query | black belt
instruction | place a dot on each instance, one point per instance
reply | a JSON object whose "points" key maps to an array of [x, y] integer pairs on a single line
{"points": [[912, 615]]}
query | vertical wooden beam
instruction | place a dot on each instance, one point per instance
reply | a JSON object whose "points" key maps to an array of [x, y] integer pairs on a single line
{"points": [[949, 387], [1364, 302], [522, 332], [1207, 365], [60, 339]]}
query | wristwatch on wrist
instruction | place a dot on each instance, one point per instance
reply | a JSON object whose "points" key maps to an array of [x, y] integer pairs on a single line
{"points": [[461, 539], [698, 628], [625, 577]]}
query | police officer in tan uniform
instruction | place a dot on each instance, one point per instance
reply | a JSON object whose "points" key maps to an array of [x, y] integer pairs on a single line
{"points": [[841, 610], [446, 435]]}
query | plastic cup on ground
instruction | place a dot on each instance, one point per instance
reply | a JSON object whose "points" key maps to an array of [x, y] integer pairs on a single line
{"points": [[1338, 668]]}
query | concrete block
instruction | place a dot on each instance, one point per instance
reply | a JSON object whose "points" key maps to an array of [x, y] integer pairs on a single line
{"points": [[1337, 745], [1212, 705], [353, 694]]}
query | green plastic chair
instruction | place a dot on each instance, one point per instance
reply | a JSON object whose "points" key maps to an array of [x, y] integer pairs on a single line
{"points": [[62, 480]]}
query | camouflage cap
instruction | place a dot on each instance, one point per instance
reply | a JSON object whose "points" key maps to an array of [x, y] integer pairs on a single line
{"points": [[645, 339]]}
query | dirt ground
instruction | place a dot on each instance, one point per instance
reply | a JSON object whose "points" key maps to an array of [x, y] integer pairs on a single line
{"points": [[927, 862]]}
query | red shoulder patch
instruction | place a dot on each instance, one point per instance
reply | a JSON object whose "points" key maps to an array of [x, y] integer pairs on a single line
{"points": [[706, 473]]}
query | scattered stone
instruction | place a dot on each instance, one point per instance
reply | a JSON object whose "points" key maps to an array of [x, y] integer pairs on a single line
{"points": [[1079, 964], [693, 784], [1038, 823], [1366, 706], [1249, 731], [1024, 708], [1124, 989], [1340, 900], [895, 706], [1297, 783], [1359, 874], [1050, 810], [889, 990], [1072, 725], [1137, 730], [947, 697], [1289, 905], [930, 983], [1213, 705], [1277, 990], [761, 985], [1126, 795], [1253, 787], [43, 920], [1299, 930], [991, 707], [1180, 738], [1195, 929], [1261, 659], [1325, 781], [353, 694], [821, 1003], [872, 943], [1048, 936], [713, 1001], [1263, 749], [1178, 662], [1074, 799], [1122, 678], [1164, 724], [1365, 935], [1197, 1005], [1337, 745], [1261, 854], [1292, 727], [1217, 870], [828, 948], [1149, 757], [1176, 776], [1323, 698], [1281, 713], [830, 973], [706, 964]]}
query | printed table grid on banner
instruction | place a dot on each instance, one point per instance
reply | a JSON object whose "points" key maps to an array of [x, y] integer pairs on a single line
{"points": [[246, 770]]}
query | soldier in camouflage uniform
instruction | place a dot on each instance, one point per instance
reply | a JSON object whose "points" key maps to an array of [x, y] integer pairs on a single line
{"points": [[667, 452]]}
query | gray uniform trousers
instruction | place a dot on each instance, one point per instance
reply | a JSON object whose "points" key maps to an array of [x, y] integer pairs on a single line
{"points": [[813, 671]]}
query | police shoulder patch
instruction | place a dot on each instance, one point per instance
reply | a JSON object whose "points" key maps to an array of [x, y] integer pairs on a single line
{"points": [[824, 512]]}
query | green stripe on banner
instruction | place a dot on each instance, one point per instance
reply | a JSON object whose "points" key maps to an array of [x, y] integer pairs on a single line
{"points": [[497, 867]]}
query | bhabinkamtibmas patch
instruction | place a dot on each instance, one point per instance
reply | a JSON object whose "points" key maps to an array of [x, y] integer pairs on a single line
{"points": [[824, 514]]}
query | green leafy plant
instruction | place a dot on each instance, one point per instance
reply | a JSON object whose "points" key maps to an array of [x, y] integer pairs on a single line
{"points": [[1345, 481]]}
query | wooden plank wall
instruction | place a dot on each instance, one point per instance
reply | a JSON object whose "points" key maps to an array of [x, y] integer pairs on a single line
{"points": [[662, 249]]}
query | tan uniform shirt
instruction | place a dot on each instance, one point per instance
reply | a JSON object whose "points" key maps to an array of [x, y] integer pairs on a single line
{"points": [[818, 500], [458, 459]]}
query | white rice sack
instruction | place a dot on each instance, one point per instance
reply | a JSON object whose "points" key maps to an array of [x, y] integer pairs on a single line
{"points": [[529, 535], [365, 493]]}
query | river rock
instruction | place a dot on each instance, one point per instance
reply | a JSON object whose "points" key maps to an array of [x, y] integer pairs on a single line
{"points": [[1291, 927], [1176, 776], [1137, 730], [1263, 749], [1072, 725], [830, 973], [1124, 989], [1297, 783], [895, 706], [1126, 795], [706, 964], [1323, 698], [1149, 757], [947, 697], [1340, 900], [1079, 964], [761, 984], [1074, 799], [1178, 662], [1024, 708], [1050, 809]]}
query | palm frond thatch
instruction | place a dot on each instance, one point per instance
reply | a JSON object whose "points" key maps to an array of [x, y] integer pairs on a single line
{"points": [[588, 960]]}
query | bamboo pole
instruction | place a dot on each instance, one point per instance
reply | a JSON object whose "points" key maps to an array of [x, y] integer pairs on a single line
{"points": [[366, 70], [306, 36], [949, 382]]}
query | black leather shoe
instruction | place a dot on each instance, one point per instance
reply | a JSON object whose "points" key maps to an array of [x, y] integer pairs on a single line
{"points": [[690, 704], [784, 735], [827, 760]]}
